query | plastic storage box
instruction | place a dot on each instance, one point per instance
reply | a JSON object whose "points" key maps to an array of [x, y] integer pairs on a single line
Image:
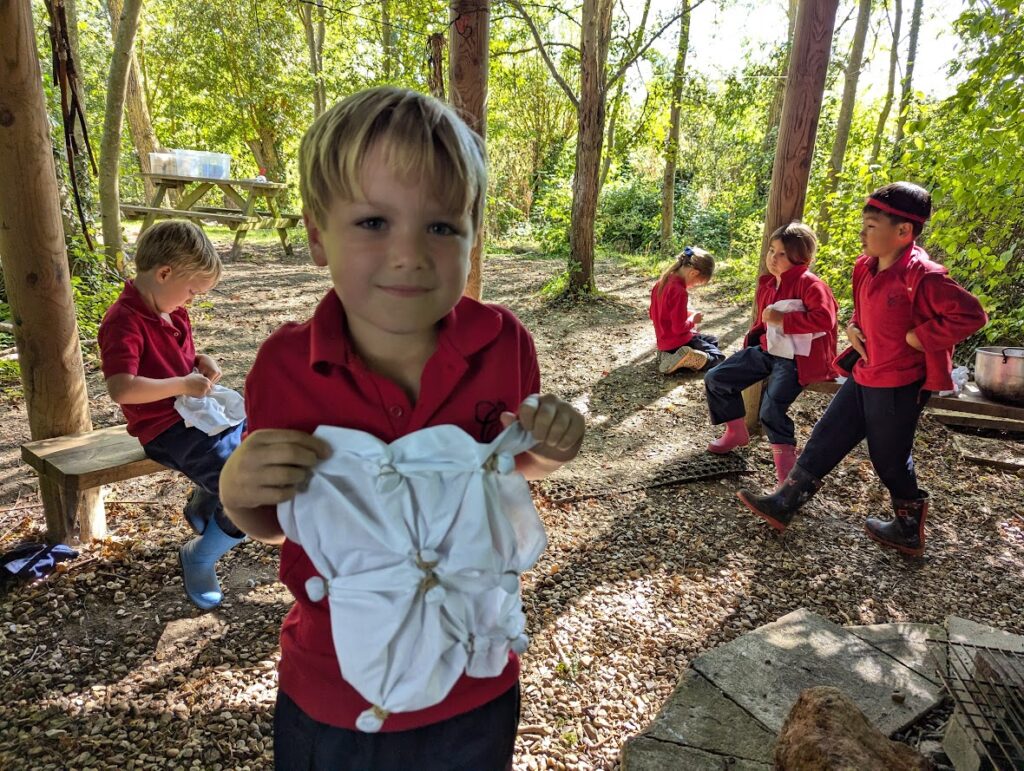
{"points": [[163, 163], [192, 163]]}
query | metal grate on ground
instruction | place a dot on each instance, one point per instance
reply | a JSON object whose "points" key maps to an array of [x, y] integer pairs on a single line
{"points": [[695, 469], [987, 686]]}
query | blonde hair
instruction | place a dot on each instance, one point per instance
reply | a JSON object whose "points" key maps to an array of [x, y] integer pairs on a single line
{"points": [[799, 242], [691, 257], [421, 137], [180, 244]]}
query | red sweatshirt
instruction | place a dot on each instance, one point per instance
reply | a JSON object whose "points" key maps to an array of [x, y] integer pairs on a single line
{"points": [[671, 317], [914, 293], [798, 283]]}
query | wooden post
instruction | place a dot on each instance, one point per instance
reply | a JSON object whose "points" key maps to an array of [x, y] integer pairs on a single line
{"points": [[36, 267], [801, 108], [468, 58]]}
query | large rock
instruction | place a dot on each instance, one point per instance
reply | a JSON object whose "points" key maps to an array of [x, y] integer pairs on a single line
{"points": [[825, 731]]}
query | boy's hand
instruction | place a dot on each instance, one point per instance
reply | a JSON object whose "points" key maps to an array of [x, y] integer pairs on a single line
{"points": [[556, 425], [913, 341], [697, 318], [270, 466], [772, 316], [858, 341], [197, 385], [208, 368]]}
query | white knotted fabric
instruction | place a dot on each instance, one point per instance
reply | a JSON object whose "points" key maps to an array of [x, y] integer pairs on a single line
{"points": [[218, 411], [787, 346], [419, 545]]}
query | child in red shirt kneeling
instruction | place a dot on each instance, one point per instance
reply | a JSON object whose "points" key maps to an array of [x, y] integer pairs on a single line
{"points": [[908, 316], [680, 345], [393, 187], [149, 359], [788, 365]]}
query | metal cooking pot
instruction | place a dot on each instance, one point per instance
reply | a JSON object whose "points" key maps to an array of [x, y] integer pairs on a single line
{"points": [[999, 373]]}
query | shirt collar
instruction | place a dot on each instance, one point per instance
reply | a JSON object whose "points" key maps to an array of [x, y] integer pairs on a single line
{"points": [[133, 299], [898, 268], [466, 329], [788, 278]]}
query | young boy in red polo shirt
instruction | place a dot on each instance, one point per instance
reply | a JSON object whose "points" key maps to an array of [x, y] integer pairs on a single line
{"points": [[908, 316], [149, 358], [393, 187]]}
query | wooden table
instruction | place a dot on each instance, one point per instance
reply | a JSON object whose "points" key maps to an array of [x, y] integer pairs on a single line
{"points": [[256, 204]]}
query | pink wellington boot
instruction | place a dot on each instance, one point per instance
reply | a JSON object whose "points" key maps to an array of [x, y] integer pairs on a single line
{"points": [[735, 436], [785, 458]]}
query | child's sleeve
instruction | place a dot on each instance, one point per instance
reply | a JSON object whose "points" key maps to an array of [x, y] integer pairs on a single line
{"points": [[954, 314], [121, 348], [679, 319], [820, 315]]}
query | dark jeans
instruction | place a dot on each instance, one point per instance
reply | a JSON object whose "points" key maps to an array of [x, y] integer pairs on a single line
{"points": [[200, 458], [725, 383], [886, 417], [480, 740], [708, 344]]}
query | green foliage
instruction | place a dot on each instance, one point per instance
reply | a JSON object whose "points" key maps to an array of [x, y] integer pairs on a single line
{"points": [[93, 286]]}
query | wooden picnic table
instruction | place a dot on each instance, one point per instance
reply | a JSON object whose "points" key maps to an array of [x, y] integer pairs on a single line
{"points": [[246, 194]]}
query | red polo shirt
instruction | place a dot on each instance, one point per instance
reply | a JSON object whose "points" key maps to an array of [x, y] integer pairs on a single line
{"points": [[798, 283], [912, 293], [135, 340], [670, 314], [308, 375]]}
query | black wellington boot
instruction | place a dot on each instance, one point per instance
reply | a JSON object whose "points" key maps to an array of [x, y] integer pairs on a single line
{"points": [[905, 531], [778, 508]]}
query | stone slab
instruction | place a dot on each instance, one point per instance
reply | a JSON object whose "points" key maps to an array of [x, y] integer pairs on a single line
{"points": [[765, 671], [646, 754], [961, 746], [698, 715], [907, 643], [963, 630]]}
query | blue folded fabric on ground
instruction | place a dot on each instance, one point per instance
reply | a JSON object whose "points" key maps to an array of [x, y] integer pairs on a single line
{"points": [[32, 561]]}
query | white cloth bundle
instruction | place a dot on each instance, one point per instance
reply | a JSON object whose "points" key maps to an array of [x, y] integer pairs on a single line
{"points": [[787, 346], [217, 411], [419, 545]]}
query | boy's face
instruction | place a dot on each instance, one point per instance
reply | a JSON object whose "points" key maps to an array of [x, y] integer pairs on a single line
{"points": [[175, 288], [399, 258], [881, 237]]}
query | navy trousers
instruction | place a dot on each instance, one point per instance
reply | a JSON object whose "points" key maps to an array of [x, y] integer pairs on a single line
{"points": [[725, 383], [886, 417], [708, 344], [200, 458], [480, 740]]}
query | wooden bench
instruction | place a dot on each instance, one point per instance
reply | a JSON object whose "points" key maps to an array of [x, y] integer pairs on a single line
{"points": [[970, 401], [79, 462]]}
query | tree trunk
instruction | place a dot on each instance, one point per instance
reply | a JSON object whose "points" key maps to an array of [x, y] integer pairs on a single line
{"points": [[468, 68], [387, 39], [315, 30], [595, 36], [775, 108], [894, 58], [35, 266], [668, 184], [264, 150], [835, 163], [110, 148], [908, 89], [140, 124], [801, 109]]}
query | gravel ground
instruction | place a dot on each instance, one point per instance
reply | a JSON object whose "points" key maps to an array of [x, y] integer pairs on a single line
{"points": [[106, 665]]}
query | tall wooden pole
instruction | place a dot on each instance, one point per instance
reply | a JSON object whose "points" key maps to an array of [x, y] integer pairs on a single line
{"points": [[36, 266], [801, 108], [468, 60]]}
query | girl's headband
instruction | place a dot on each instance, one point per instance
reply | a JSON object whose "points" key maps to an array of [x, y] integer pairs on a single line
{"points": [[881, 205]]}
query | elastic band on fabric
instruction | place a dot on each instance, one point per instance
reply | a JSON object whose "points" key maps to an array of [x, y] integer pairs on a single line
{"points": [[893, 210]]}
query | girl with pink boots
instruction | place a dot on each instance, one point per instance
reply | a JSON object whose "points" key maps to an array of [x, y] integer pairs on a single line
{"points": [[792, 343]]}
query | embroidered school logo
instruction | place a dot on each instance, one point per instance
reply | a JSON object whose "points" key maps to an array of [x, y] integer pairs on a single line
{"points": [[894, 298], [488, 417]]}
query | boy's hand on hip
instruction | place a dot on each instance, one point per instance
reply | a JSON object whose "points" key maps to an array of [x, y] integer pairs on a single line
{"points": [[197, 385], [557, 426], [914, 342], [270, 466], [858, 341]]}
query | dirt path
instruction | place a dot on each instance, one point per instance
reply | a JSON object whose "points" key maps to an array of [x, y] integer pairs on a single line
{"points": [[108, 666]]}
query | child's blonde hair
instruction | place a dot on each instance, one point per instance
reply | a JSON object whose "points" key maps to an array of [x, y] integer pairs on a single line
{"points": [[180, 244], [422, 138], [799, 242], [691, 257]]}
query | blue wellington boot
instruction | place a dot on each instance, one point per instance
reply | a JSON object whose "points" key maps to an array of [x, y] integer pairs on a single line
{"points": [[200, 508], [199, 564]]}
